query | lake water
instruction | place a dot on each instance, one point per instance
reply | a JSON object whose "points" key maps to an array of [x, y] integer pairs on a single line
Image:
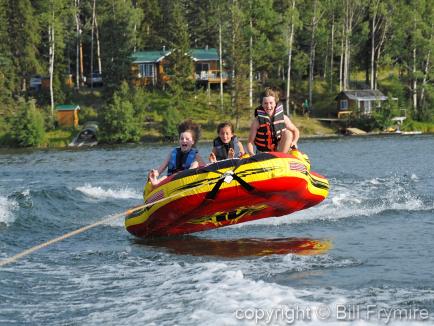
{"points": [[378, 217]]}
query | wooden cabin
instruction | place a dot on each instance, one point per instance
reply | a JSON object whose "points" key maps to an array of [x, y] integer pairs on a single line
{"points": [[67, 115], [151, 67], [358, 102], [207, 66], [148, 67]]}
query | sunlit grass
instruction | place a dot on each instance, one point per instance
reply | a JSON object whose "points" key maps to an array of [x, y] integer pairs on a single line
{"points": [[58, 138]]}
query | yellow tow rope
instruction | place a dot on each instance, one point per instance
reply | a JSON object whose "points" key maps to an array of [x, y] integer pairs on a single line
{"points": [[24, 253]]}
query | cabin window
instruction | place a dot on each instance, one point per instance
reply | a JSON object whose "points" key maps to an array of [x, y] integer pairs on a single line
{"points": [[146, 70], [367, 107], [344, 104], [201, 67]]}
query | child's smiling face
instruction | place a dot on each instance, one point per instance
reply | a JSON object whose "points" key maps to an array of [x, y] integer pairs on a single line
{"points": [[186, 141], [225, 134], [269, 104]]}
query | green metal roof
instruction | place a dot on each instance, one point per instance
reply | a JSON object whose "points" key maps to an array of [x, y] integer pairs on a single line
{"points": [[149, 56], [207, 54], [67, 107]]}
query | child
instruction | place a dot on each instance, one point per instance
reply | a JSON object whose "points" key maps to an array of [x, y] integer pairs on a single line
{"points": [[183, 157], [226, 145], [271, 130]]}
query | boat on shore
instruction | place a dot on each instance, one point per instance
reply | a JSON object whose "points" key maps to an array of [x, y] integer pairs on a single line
{"points": [[87, 136], [228, 192]]}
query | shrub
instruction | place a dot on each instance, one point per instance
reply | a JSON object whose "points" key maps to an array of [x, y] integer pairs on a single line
{"points": [[383, 116], [171, 119], [119, 123], [366, 123], [27, 128], [87, 113]]}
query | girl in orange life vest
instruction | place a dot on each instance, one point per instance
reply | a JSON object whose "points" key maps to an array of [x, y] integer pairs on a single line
{"points": [[226, 145], [183, 157], [271, 130]]}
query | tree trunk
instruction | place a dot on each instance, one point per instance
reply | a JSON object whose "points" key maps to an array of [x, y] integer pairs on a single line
{"points": [[81, 62], [134, 3], [221, 67], [98, 48], [288, 73], [341, 64], [414, 83], [372, 77], [91, 44], [51, 60], [312, 53], [332, 51], [78, 33], [349, 12], [374, 26], [251, 65], [379, 50], [234, 77], [425, 74], [326, 60], [346, 53]]}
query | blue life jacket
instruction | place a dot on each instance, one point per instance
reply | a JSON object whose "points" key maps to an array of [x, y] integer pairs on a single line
{"points": [[222, 149], [180, 161]]}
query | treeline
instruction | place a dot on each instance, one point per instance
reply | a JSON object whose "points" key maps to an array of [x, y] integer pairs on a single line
{"points": [[290, 44]]}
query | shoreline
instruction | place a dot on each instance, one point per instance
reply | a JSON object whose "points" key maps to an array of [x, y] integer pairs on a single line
{"points": [[205, 141]]}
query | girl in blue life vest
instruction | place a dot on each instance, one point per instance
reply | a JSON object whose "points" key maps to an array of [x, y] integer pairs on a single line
{"points": [[271, 130], [183, 157], [226, 145]]}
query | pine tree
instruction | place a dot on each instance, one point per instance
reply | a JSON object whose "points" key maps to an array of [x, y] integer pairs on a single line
{"points": [[181, 63], [201, 18], [149, 28], [52, 16], [238, 60], [118, 19], [28, 125], [7, 73], [119, 123], [23, 41]]}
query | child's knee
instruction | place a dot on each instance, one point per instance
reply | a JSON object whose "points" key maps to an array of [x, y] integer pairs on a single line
{"points": [[286, 135]]}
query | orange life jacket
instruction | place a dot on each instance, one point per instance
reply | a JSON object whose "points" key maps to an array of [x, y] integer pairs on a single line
{"points": [[270, 129]]}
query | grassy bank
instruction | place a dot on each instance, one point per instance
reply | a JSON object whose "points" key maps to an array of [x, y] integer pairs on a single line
{"points": [[308, 127]]}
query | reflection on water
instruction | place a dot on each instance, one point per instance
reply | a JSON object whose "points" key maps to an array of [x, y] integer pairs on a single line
{"points": [[234, 248]]}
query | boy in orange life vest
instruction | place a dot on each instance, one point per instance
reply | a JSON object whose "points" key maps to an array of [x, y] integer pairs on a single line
{"points": [[271, 130], [226, 145], [183, 157]]}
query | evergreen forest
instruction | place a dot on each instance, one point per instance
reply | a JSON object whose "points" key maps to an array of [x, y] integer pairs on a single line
{"points": [[310, 50]]}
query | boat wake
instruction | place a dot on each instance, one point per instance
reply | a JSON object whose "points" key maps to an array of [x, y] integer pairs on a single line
{"points": [[369, 197], [100, 193], [8, 206]]}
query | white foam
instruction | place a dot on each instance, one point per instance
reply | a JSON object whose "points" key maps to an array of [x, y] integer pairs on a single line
{"points": [[7, 209], [158, 290], [363, 198], [101, 193]]}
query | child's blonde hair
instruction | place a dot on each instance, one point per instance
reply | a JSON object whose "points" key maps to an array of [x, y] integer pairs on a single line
{"points": [[270, 92]]}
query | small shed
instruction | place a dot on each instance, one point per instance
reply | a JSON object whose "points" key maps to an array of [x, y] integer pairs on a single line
{"points": [[359, 101], [67, 115]]}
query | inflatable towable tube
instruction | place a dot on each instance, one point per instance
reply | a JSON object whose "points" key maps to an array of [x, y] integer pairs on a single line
{"points": [[228, 192]]}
